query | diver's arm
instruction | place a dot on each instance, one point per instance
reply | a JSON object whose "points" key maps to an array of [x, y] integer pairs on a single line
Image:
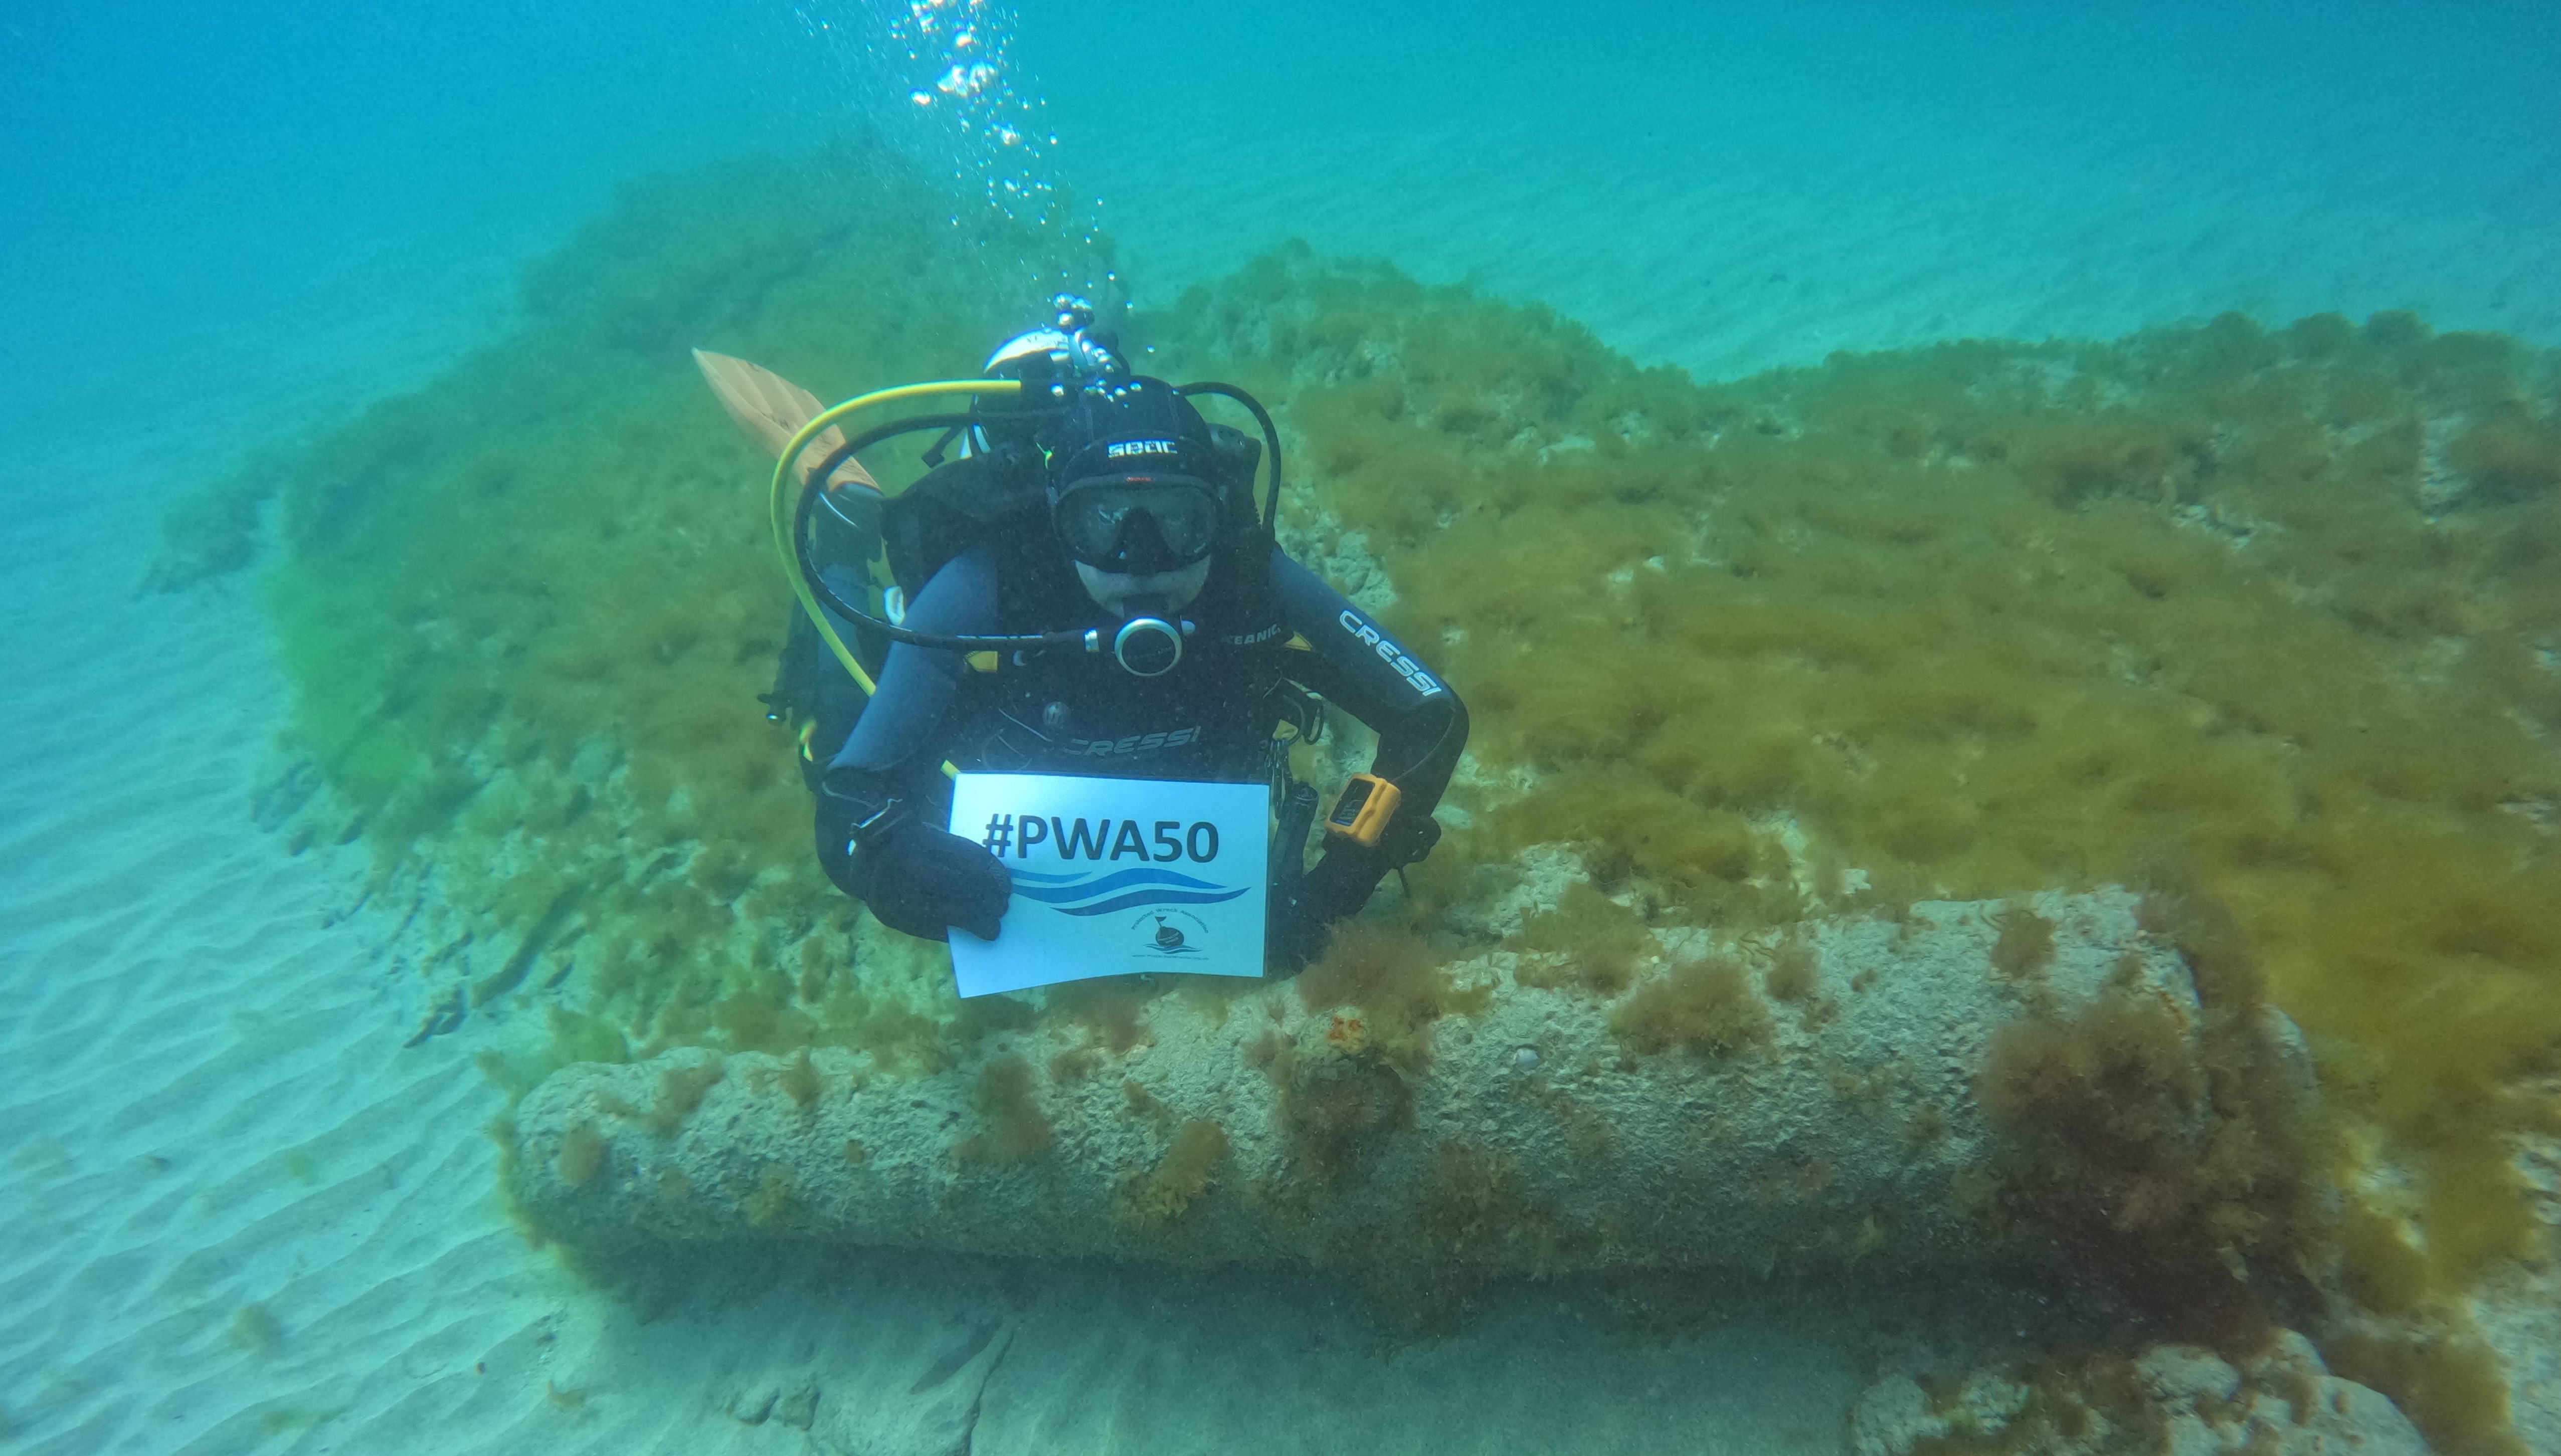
{"points": [[1421, 729], [913, 874], [1354, 664], [917, 683]]}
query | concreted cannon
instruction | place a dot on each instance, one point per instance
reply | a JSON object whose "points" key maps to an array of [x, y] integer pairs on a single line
{"points": [[2033, 1082]]}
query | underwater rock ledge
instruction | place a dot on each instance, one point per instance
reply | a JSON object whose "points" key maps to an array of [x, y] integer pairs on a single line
{"points": [[2177, 1399], [1901, 1105]]}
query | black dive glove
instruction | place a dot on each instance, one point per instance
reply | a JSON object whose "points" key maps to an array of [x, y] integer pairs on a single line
{"points": [[1344, 878], [915, 878], [1342, 881]]}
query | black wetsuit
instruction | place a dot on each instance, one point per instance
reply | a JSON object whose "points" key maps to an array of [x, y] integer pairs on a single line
{"points": [[1256, 643]]}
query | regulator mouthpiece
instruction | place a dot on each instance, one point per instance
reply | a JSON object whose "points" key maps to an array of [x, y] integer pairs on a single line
{"points": [[1147, 645]]}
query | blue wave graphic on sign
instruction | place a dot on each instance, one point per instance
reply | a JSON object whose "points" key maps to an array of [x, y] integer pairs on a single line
{"points": [[1074, 895]]}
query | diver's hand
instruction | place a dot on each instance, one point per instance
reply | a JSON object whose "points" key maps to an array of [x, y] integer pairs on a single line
{"points": [[1341, 882], [1335, 889], [915, 877], [924, 881], [1344, 878]]}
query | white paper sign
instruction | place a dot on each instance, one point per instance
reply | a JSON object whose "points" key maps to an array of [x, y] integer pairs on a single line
{"points": [[1114, 876]]}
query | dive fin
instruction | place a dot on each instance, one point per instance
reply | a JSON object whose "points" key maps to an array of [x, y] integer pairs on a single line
{"points": [[772, 410]]}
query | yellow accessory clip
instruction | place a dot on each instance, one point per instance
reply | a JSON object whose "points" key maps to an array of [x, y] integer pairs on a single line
{"points": [[1361, 813]]}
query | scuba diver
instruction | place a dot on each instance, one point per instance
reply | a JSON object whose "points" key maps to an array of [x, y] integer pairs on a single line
{"points": [[1089, 590]]}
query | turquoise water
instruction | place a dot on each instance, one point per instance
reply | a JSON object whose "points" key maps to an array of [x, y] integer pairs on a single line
{"points": [[366, 176], [221, 230]]}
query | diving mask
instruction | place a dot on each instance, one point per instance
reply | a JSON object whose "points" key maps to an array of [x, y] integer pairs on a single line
{"points": [[1138, 525]]}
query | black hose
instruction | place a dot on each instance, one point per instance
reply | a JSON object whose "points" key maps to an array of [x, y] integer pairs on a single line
{"points": [[1271, 442], [1280, 935], [870, 437], [816, 486], [820, 588], [1290, 845]]}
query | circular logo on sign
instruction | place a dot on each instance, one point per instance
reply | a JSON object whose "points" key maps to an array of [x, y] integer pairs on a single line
{"points": [[1167, 935]]}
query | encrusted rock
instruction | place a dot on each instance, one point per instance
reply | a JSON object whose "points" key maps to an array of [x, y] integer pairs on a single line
{"points": [[2174, 1399], [1531, 1127]]}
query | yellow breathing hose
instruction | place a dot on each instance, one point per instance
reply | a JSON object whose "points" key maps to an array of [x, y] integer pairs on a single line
{"points": [[817, 425], [782, 515]]}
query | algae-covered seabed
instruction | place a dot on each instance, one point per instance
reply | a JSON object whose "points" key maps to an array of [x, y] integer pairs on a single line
{"points": [[2265, 616]]}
